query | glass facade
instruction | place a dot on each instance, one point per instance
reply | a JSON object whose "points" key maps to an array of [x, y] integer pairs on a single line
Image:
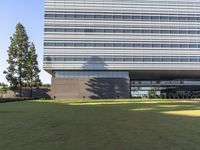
{"points": [[91, 74], [170, 89], [118, 35], [139, 59]]}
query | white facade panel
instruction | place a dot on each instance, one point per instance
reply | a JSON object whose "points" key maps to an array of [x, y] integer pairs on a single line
{"points": [[163, 34]]}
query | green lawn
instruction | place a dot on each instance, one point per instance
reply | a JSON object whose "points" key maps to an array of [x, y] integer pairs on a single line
{"points": [[100, 125]]}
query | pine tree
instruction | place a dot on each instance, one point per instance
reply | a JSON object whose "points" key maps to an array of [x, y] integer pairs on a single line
{"points": [[17, 58], [33, 71]]}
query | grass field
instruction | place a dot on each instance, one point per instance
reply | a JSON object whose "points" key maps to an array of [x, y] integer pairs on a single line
{"points": [[100, 125]]}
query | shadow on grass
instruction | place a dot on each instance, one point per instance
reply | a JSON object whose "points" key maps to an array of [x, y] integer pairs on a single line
{"points": [[85, 125]]}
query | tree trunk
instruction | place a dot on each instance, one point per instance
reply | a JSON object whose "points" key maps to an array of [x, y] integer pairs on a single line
{"points": [[20, 75], [20, 83], [31, 91], [31, 84]]}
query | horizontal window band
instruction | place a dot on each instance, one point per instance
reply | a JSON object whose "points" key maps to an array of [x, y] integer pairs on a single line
{"points": [[147, 45], [101, 74], [122, 30], [102, 59], [118, 13], [122, 17]]}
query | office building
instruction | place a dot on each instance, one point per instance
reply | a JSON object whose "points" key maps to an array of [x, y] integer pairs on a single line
{"points": [[108, 48]]}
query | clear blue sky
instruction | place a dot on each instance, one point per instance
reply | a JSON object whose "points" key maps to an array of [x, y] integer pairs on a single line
{"points": [[30, 13]]}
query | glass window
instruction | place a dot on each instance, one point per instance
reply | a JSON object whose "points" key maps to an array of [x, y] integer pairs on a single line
{"points": [[98, 44], [191, 18], [164, 18], [194, 59], [79, 30], [138, 59], [198, 19], [48, 44], [117, 45], [146, 31], [182, 18], [192, 32], [108, 17], [184, 45], [156, 59], [147, 59], [88, 30], [108, 30], [68, 59], [137, 45], [78, 16], [49, 30], [69, 16], [174, 45], [118, 59], [173, 18], [108, 59], [98, 30], [146, 45], [117, 17], [69, 30], [127, 45], [60, 30], [175, 59], [59, 44], [69, 44], [78, 59], [155, 18], [49, 15], [165, 31], [88, 16], [127, 31], [89, 44], [136, 17], [136, 31], [120, 30], [156, 45], [78, 44], [108, 45], [127, 17], [117, 30], [165, 45], [61, 16], [145, 17], [184, 59], [166, 59], [128, 59], [58, 59], [99, 17], [174, 32], [183, 32], [48, 58], [155, 31], [192, 45]]}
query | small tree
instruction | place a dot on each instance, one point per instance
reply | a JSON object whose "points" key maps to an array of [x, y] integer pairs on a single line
{"points": [[32, 76], [46, 85], [17, 58], [3, 89], [152, 92]]}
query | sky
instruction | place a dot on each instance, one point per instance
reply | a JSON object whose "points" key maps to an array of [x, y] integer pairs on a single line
{"points": [[31, 14]]}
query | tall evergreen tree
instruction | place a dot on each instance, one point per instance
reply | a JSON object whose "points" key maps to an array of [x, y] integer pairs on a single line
{"points": [[33, 71], [17, 58]]}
